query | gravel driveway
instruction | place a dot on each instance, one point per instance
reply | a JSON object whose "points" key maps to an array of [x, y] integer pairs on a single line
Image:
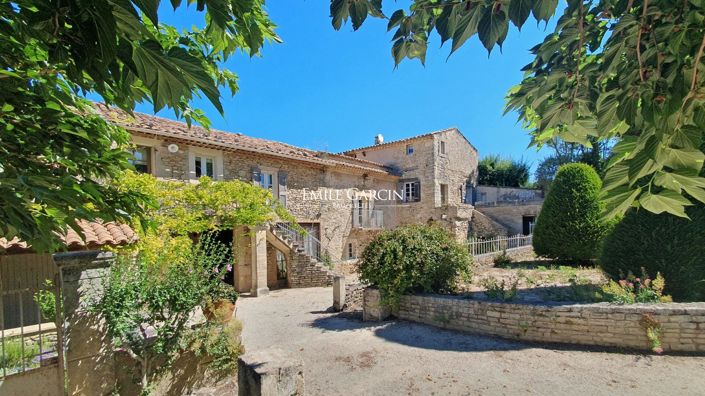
{"points": [[344, 356]]}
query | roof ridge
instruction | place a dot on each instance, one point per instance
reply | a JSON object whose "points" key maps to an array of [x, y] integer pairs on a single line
{"points": [[422, 135], [147, 123]]}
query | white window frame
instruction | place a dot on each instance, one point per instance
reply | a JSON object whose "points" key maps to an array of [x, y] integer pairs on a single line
{"points": [[351, 251], [204, 153], [263, 170], [408, 191], [203, 160]]}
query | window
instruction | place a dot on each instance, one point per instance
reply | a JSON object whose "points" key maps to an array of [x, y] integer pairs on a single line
{"points": [[351, 251], [267, 181], [412, 191], [281, 266], [442, 148], [142, 159], [409, 149], [444, 194], [204, 166]]}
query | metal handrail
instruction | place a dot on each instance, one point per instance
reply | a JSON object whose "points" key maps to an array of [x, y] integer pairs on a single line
{"points": [[311, 244], [363, 217]]}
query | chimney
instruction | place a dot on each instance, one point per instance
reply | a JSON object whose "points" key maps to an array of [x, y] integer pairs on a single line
{"points": [[379, 139]]}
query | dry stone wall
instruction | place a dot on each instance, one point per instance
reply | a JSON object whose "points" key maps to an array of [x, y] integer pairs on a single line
{"points": [[682, 324]]}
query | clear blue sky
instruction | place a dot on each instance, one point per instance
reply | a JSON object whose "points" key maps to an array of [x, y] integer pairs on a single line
{"points": [[333, 90]]}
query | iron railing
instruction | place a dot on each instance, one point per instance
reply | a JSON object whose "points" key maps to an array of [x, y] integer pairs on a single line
{"points": [[367, 218], [310, 244], [27, 339], [480, 246]]}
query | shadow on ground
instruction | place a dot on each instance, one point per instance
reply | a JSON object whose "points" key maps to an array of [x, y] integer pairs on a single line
{"points": [[418, 335], [414, 334]]}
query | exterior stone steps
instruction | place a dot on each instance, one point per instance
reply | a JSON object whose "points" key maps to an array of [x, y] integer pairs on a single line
{"points": [[304, 270]]}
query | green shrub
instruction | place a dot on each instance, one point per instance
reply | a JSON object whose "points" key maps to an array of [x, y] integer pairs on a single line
{"points": [[414, 259], [503, 291], [663, 243], [569, 226], [502, 259], [46, 300]]}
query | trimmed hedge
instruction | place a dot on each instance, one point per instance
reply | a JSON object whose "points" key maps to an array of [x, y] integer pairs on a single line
{"points": [[412, 259], [569, 226], [663, 243]]}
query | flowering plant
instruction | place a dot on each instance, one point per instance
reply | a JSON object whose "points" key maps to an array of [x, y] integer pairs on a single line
{"points": [[632, 289]]}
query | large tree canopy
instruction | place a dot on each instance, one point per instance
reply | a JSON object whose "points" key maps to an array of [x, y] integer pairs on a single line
{"points": [[494, 170], [628, 70], [55, 153]]}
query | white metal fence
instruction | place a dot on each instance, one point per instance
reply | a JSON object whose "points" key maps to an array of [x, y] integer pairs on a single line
{"points": [[480, 246]]}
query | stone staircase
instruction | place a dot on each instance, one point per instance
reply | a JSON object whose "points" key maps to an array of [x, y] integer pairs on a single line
{"points": [[304, 269]]}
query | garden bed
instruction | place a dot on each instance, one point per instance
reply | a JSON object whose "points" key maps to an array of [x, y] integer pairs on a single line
{"points": [[674, 327], [534, 280]]}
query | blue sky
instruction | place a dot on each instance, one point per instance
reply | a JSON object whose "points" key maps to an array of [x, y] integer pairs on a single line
{"points": [[333, 90]]}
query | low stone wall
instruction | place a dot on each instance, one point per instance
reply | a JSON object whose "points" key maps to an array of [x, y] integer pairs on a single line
{"points": [[353, 296], [524, 253], [682, 324]]}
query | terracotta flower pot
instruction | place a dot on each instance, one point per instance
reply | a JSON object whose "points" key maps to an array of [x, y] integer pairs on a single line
{"points": [[220, 310]]}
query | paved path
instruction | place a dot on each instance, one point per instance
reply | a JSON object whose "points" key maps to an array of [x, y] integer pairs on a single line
{"points": [[344, 356]]}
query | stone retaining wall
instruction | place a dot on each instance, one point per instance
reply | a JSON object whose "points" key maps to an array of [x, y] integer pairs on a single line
{"points": [[682, 324]]}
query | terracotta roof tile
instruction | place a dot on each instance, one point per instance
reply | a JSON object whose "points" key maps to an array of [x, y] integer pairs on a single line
{"points": [[165, 127], [96, 234]]}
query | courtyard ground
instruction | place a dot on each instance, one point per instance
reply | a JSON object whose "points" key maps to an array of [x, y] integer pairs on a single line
{"points": [[344, 356]]}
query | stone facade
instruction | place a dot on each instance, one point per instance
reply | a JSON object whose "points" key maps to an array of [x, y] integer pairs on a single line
{"points": [[333, 196], [445, 165], [606, 325], [510, 216]]}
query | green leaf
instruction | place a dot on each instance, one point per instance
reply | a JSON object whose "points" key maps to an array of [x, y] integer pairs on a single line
{"points": [[665, 201], [171, 77], [339, 12], [446, 22], [358, 13], [492, 28], [519, 11], [544, 9], [684, 158], [395, 19], [149, 8], [466, 27], [616, 176], [618, 200]]}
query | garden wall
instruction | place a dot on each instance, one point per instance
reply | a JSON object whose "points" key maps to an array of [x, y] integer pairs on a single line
{"points": [[603, 324]]}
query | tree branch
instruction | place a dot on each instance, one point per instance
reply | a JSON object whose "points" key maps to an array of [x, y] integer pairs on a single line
{"points": [[642, 72], [699, 56], [581, 30]]}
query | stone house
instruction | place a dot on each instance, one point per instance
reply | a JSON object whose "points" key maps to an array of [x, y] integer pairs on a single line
{"points": [[342, 200], [502, 211]]}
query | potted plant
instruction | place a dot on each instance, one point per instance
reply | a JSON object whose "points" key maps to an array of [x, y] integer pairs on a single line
{"points": [[220, 302]]}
